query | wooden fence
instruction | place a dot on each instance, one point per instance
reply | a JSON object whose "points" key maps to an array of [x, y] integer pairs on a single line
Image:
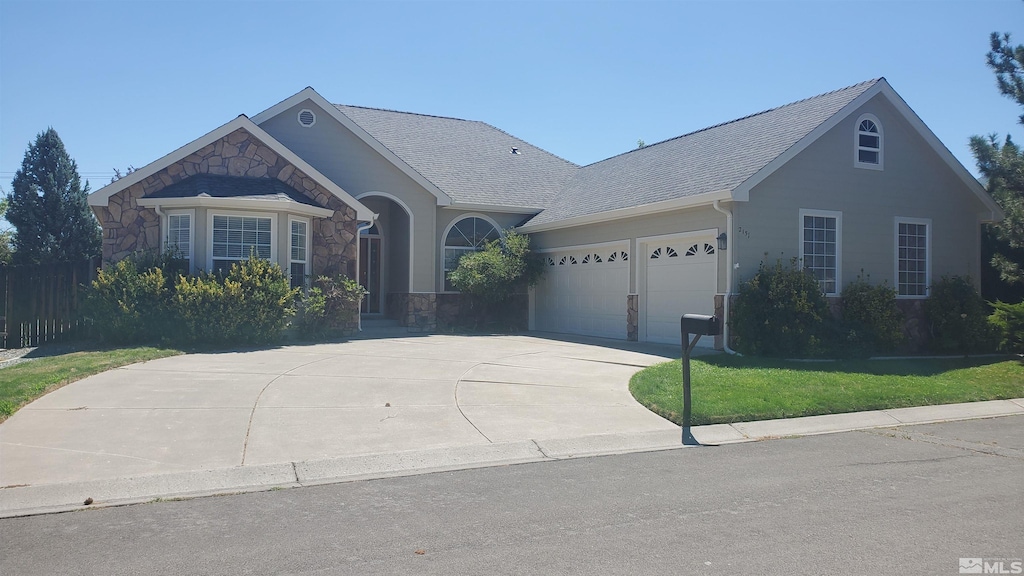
{"points": [[41, 303]]}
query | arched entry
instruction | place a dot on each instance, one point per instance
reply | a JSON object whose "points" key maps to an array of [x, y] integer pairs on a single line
{"points": [[385, 252], [370, 240]]}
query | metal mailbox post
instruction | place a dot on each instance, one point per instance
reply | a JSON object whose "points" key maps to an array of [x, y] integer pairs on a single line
{"points": [[698, 325]]}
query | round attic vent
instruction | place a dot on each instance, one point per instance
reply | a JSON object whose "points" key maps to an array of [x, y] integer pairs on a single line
{"points": [[306, 117]]}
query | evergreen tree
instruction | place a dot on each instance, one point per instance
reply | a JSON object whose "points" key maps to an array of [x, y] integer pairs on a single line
{"points": [[48, 206], [1003, 165], [5, 236]]}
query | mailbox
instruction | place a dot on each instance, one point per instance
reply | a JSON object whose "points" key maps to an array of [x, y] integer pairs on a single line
{"points": [[700, 324]]}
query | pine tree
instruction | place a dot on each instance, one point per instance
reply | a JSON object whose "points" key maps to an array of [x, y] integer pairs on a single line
{"points": [[5, 236], [1002, 164], [48, 206]]}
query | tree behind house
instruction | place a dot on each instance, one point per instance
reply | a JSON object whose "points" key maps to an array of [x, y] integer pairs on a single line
{"points": [[1002, 164], [48, 206]]}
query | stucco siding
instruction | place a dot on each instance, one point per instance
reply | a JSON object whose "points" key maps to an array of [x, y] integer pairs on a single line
{"points": [[359, 169], [915, 183]]}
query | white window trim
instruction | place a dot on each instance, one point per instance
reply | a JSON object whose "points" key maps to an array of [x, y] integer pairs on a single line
{"points": [[856, 144], [209, 232], [166, 224], [839, 242], [444, 237], [896, 256], [308, 260]]}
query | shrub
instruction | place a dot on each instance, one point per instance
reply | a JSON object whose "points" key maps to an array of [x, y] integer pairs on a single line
{"points": [[498, 271], [203, 305], [267, 299], [1008, 322], [958, 317], [124, 305], [331, 303], [252, 304], [781, 311], [871, 318]]}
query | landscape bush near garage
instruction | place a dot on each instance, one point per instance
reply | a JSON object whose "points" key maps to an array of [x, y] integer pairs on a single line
{"points": [[781, 312]]}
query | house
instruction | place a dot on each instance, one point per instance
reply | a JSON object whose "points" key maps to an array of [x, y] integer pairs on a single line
{"points": [[849, 181]]}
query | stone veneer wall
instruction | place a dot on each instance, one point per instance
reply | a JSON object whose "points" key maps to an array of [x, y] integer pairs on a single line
{"points": [[417, 311], [129, 228], [720, 313], [632, 317], [462, 311]]}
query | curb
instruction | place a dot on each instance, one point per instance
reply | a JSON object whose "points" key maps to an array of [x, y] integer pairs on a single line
{"points": [[52, 498]]}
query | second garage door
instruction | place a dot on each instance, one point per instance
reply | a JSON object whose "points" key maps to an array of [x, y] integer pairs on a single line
{"points": [[681, 279], [583, 292]]}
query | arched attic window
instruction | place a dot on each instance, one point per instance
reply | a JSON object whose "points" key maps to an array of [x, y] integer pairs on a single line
{"points": [[868, 143], [469, 234]]}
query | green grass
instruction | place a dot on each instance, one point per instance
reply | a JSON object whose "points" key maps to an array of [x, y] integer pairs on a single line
{"points": [[26, 381], [739, 389]]}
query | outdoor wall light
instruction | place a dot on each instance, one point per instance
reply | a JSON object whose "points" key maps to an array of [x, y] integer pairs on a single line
{"points": [[723, 243]]}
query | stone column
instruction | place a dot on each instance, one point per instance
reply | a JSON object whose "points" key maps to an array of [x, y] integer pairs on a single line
{"points": [[632, 317]]}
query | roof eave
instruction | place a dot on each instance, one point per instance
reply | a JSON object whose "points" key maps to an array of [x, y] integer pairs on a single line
{"points": [[494, 208], [706, 199], [275, 205]]}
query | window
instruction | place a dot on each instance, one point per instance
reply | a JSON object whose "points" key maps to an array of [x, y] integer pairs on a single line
{"points": [[467, 235], [299, 243], [821, 238], [235, 237], [912, 257], [868, 143], [178, 238]]}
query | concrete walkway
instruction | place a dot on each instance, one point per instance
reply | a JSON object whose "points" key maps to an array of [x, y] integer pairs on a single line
{"points": [[301, 415]]}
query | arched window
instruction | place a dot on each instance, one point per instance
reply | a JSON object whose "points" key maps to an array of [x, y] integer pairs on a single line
{"points": [[467, 235], [869, 143]]}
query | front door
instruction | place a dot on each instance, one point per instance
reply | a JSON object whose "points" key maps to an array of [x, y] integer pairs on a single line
{"points": [[369, 272]]}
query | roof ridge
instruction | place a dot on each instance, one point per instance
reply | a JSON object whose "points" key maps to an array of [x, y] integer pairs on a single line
{"points": [[748, 116]]}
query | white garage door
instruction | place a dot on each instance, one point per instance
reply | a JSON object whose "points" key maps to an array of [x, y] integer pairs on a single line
{"points": [[583, 292], [681, 279]]}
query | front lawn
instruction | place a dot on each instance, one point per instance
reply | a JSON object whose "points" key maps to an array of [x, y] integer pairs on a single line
{"points": [[739, 389], [26, 381]]}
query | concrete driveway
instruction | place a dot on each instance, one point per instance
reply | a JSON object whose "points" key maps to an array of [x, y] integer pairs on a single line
{"points": [[301, 403]]}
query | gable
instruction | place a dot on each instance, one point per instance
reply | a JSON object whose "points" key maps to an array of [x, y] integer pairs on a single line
{"points": [[129, 209], [904, 116], [278, 118], [238, 148], [346, 158]]}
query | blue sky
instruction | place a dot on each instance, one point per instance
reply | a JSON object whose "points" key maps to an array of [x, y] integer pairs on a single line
{"points": [[127, 82]]}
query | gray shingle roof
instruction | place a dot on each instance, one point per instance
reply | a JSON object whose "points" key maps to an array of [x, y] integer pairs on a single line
{"points": [[470, 161], [717, 158], [211, 186]]}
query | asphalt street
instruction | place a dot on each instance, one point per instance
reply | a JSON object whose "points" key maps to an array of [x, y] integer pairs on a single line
{"points": [[909, 500]]}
